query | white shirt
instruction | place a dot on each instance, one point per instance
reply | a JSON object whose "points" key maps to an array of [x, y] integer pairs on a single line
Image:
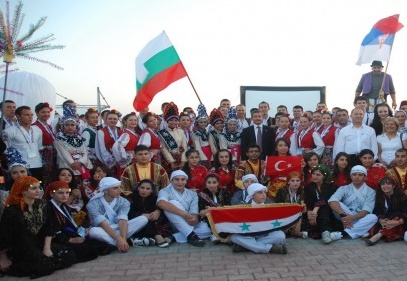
{"points": [[352, 140], [28, 143], [389, 146]]}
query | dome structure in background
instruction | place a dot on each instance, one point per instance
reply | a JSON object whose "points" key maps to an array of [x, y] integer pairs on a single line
{"points": [[25, 88]]}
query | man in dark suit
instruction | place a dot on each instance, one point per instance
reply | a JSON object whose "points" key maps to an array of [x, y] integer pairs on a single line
{"points": [[259, 134]]}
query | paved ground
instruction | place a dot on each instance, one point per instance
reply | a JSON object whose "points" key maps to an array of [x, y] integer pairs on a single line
{"points": [[306, 260]]}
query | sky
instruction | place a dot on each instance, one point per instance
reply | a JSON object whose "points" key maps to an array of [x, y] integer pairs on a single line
{"points": [[223, 44]]}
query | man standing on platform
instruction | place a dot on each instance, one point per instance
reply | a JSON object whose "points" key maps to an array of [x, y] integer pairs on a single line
{"points": [[370, 85]]}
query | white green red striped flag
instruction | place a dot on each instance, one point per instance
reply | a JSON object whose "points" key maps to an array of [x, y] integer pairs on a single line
{"points": [[254, 218], [157, 66]]}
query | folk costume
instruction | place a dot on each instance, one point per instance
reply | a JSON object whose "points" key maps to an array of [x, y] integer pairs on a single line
{"points": [[231, 140], [112, 212], [134, 173], [309, 139], [214, 135], [374, 175], [106, 137], [71, 148], [48, 153], [89, 134], [196, 177], [400, 176], [393, 207], [201, 138], [173, 140], [249, 167], [226, 179], [151, 139], [328, 137]]}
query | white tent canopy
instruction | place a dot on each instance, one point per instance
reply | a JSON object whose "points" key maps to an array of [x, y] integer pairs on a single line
{"points": [[25, 88]]}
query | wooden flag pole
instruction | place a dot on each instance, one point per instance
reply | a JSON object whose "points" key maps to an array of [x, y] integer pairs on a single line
{"points": [[196, 93], [381, 93]]}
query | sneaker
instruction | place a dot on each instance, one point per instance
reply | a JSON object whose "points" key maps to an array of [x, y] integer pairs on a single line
{"points": [[304, 234], [140, 242], [238, 249], [337, 235], [151, 241], [164, 244], [194, 240], [365, 235], [326, 237], [278, 249]]}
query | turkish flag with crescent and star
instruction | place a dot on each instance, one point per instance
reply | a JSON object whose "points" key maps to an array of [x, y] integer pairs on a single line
{"points": [[282, 165]]}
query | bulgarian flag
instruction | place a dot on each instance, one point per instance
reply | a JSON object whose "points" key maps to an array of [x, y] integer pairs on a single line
{"points": [[282, 165], [254, 218], [157, 66], [378, 42]]}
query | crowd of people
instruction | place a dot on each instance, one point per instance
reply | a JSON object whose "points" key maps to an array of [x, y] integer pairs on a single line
{"points": [[154, 180]]}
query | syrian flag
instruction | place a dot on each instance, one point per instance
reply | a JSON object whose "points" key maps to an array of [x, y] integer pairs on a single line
{"points": [[157, 66], [282, 165], [378, 42], [254, 218]]}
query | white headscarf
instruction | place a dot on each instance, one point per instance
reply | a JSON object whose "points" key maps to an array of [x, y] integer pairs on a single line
{"points": [[249, 176], [104, 184], [252, 189], [178, 173]]}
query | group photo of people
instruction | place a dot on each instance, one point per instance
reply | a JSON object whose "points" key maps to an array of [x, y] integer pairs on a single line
{"points": [[79, 187]]}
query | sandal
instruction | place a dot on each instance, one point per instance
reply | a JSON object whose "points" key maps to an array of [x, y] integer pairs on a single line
{"points": [[370, 242]]}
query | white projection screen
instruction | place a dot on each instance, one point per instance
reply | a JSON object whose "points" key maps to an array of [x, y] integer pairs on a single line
{"points": [[307, 97]]}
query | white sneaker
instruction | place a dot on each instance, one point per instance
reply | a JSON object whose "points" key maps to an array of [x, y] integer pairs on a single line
{"points": [[336, 235], [326, 237], [304, 234], [366, 235], [140, 242]]}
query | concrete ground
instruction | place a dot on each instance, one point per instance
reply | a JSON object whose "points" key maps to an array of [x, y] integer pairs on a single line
{"points": [[307, 259]]}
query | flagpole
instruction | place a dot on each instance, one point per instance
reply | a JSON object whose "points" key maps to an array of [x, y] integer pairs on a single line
{"points": [[385, 73], [196, 93]]}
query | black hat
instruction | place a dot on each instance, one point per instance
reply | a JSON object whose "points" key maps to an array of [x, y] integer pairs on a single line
{"points": [[377, 63]]}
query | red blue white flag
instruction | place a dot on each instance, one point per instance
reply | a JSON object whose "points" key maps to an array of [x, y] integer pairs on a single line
{"points": [[253, 218], [378, 42]]}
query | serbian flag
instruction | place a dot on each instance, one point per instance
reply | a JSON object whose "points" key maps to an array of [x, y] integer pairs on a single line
{"points": [[157, 66], [253, 218], [378, 42], [282, 165]]}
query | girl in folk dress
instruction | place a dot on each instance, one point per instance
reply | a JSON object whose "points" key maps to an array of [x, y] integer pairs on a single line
{"points": [[308, 140], [150, 138], [89, 133], [341, 170], [25, 243], [185, 125], [230, 139], [375, 171], [311, 160], [196, 173], [106, 137], [43, 112], [72, 152], [328, 133], [200, 137], [223, 167], [123, 148], [293, 193]]}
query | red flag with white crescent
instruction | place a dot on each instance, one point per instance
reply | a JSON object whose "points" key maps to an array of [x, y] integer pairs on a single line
{"points": [[282, 165]]}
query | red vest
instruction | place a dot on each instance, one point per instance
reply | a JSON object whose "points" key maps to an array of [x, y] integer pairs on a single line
{"points": [[109, 141], [47, 138], [329, 138], [155, 140], [307, 141], [131, 145]]}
